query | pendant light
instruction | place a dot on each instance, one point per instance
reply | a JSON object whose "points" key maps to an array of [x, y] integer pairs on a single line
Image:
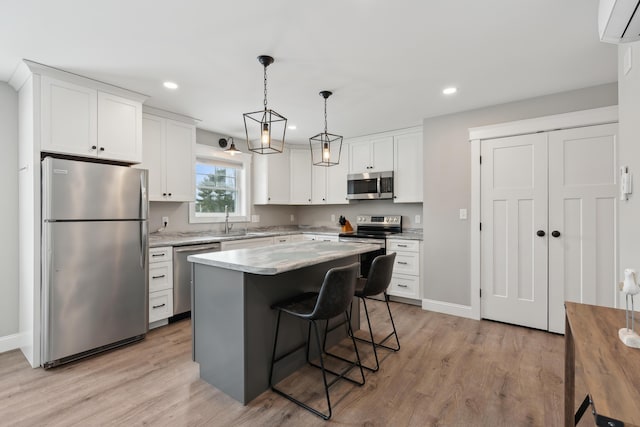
{"points": [[325, 146], [232, 148], [265, 129]]}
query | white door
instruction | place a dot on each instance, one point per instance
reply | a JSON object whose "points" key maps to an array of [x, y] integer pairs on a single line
{"points": [[582, 218], [514, 210]]}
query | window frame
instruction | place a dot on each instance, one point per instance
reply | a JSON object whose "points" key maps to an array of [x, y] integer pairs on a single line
{"points": [[206, 152]]}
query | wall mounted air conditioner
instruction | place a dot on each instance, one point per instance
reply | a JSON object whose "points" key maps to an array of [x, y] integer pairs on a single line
{"points": [[619, 21]]}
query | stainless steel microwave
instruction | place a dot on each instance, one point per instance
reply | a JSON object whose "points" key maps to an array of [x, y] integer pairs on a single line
{"points": [[370, 185]]}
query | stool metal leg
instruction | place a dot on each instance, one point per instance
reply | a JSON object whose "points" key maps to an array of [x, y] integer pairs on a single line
{"points": [[374, 344]]}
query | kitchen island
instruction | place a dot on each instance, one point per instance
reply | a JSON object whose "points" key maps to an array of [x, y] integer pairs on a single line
{"points": [[232, 320]]}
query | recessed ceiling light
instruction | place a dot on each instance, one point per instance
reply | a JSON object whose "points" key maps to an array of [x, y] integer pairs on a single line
{"points": [[292, 127], [449, 90], [170, 85]]}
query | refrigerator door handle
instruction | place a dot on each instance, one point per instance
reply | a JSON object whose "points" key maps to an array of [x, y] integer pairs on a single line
{"points": [[143, 194], [143, 243]]}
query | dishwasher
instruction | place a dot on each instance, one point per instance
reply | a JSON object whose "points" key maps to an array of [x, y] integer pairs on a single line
{"points": [[182, 274]]}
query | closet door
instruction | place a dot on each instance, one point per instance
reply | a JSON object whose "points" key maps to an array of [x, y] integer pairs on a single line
{"points": [[583, 177], [514, 223]]}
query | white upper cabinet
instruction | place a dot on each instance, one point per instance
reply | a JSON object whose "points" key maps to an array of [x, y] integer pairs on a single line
{"points": [[168, 147], [371, 155], [69, 118], [407, 170], [88, 122], [119, 128], [300, 161], [330, 183], [271, 179]]}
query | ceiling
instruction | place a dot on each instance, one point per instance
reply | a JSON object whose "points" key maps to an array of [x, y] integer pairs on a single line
{"points": [[386, 61]]}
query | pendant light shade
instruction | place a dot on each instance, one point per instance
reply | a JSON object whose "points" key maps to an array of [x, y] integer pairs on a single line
{"points": [[265, 129], [232, 148], [325, 146]]}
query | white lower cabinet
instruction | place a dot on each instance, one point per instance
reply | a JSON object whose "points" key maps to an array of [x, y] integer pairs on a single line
{"points": [[278, 240], [321, 237], [405, 280], [160, 285], [246, 243]]}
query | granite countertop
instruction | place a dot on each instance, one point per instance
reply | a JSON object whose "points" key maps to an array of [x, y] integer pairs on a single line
{"points": [[200, 237], [270, 260], [409, 235]]}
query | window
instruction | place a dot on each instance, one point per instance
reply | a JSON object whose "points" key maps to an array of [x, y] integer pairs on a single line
{"points": [[220, 185]]}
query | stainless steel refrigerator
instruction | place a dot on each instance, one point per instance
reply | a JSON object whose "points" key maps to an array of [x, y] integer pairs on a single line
{"points": [[94, 258]]}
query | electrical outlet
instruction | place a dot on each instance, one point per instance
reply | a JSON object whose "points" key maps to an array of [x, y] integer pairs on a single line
{"points": [[292, 217], [333, 218], [255, 218], [417, 219], [463, 214], [165, 221]]}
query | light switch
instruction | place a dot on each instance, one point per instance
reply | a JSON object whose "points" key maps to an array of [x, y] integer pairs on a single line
{"points": [[417, 218], [463, 214]]}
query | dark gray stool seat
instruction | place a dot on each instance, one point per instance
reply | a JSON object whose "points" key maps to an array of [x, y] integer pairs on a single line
{"points": [[334, 298]]}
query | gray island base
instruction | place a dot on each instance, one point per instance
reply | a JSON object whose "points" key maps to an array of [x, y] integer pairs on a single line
{"points": [[232, 320]]}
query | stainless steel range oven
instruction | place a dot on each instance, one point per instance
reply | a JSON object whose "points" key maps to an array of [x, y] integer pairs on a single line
{"points": [[373, 229]]}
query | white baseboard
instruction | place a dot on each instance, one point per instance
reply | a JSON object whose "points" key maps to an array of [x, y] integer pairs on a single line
{"points": [[449, 308], [10, 342]]}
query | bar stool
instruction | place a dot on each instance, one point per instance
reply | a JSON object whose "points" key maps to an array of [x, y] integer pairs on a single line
{"points": [[377, 282], [334, 298]]}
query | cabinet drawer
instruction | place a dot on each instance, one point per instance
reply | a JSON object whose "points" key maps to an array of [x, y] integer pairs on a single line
{"points": [[281, 239], [161, 254], [403, 245], [407, 263], [297, 238], [160, 305], [404, 286], [160, 276]]}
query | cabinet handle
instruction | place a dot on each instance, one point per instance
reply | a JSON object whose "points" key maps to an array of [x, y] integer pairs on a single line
{"points": [[101, 148], [155, 255], [402, 246], [540, 233], [402, 263], [164, 194], [402, 286], [555, 233], [158, 306], [158, 277], [93, 147], [169, 194]]}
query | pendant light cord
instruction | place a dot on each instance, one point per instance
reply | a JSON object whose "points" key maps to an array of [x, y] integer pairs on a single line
{"points": [[325, 115], [265, 88]]}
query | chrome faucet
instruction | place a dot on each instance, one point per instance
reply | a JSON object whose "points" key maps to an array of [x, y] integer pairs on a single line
{"points": [[227, 226]]}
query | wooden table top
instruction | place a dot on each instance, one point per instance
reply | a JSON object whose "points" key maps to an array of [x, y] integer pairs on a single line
{"points": [[612, 370]]}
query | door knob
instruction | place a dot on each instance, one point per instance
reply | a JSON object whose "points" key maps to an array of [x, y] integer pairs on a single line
{"points": [[555, 233], [540, 233]]}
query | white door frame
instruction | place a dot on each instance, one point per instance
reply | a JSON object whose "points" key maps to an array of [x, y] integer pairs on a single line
{"points": [[596, 116]]}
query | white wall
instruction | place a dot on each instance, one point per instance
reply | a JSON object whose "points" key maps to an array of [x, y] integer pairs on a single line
{"points": [[629, 155], [9, 212], [447, 181]]}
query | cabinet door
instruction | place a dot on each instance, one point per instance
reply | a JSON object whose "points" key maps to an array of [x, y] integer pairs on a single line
{"points": [[180, 173], [119, 128], [279, 180], [153, 155], [69, 118], [300, 177], [407, 170], [382, 154], [337, 180], [319, 185], [360, 157]]}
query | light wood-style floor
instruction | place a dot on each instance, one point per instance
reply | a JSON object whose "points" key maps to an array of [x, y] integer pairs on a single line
{"points": [[450, 372]]}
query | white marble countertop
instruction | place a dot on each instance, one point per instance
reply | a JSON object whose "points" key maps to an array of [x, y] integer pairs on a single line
{"points": [[270, 260], [199, 237]]}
